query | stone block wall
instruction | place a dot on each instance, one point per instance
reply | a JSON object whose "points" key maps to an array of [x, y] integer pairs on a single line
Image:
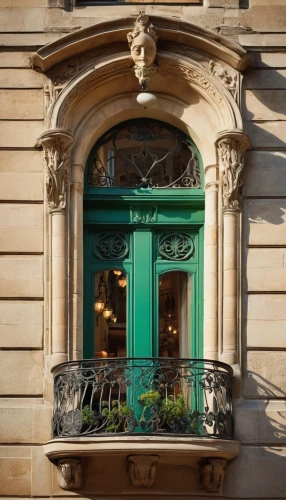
{"points": [[260, 413]]}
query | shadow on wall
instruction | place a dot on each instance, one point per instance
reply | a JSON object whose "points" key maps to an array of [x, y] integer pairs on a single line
{"points": [[259, 470]]}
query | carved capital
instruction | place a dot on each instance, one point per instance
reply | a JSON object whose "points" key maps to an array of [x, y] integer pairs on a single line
{"points": [[231, 146], [69, 473], [56, 145], [142, 470], [212, 474]]}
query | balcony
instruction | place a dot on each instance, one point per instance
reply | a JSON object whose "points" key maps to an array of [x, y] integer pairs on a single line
{"points": [[147, 413]]}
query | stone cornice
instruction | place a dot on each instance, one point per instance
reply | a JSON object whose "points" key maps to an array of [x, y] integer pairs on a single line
{"points": [[115, 31]]}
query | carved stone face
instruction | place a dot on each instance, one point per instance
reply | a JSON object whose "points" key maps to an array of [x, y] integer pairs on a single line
{"points": [[143, 50]]}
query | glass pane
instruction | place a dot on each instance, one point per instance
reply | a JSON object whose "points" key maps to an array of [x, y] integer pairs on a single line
{"points": [[174, 314], [110, 314], [145, 153]]}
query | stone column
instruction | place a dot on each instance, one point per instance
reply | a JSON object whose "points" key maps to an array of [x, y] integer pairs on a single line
{"points": [[231, 146], [76, 256], [57, 145], [211, 263]]}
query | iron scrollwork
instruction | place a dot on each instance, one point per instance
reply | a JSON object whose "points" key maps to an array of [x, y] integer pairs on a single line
{"points": [[111, 246], [149, 396], [175, 246], [145, 154]]}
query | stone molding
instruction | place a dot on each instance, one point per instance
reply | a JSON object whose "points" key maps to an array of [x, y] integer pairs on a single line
{"points": [[212, 474], [169, 30], [231, 147], [69, 472], [56, 145], [142, 470]]}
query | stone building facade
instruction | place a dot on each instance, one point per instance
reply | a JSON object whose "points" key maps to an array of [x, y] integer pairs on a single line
{"points": [[66, 78]]}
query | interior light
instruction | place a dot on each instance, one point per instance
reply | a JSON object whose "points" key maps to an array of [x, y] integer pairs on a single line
{"points": [[107, 312], [99, 306], [122, 281], [117, 272], [113, 318]]}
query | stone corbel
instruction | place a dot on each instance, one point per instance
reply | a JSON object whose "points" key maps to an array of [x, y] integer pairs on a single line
{"points": [[56, 145], [142, 470], [69, 472], [212, 474]]}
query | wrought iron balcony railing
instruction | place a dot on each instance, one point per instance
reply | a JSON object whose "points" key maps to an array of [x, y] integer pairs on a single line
{"points": [[166, 396]]}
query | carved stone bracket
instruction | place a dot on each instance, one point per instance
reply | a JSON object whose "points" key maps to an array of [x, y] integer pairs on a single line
{"points": [[57, 145], [69, 472], [142, 470], [231, 146], [212, 474]]}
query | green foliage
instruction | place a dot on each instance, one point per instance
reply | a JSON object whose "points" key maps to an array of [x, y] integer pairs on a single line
{"points": [[150, 398], [116, 416], [173, 409], [88, 416]]}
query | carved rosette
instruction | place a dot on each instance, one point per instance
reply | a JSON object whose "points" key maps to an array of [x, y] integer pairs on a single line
{"points": [[212, 474], [231, 147], [142, 470], [56, 145], [69, 472]]}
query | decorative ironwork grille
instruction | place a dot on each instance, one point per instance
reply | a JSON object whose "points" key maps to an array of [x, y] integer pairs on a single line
{"points": [[190, 397], [145, 153], [175, 246], [111, 246]]}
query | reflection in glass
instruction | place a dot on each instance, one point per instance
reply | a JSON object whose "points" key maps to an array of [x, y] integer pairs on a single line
{"points": [[174, 321], [144, 153], [110, 314]]}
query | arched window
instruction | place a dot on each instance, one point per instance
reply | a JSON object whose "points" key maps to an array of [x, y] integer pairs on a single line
{"points": [[143, 219]]}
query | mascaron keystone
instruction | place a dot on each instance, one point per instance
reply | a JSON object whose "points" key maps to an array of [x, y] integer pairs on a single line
{"points": [[142, 42]]}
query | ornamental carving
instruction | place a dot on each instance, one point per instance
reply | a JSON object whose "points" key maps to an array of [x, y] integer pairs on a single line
{"points": [[175, 246], [212, 474], [143, 215], [193, 76], [231, 149], [229, 82], [142, 42], [142, 470], [56, 145], [69, 472], [111, 246]]}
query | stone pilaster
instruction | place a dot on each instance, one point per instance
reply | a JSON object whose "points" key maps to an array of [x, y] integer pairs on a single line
{"points": [[57, 145], [231, 146]]}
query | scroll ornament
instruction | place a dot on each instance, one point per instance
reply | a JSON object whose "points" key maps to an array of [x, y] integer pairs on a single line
{"points": [[56, 145], [231, 151], [229, 82]]}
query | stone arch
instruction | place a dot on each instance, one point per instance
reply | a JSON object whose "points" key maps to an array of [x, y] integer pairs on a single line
{"points": [[90, 87]]}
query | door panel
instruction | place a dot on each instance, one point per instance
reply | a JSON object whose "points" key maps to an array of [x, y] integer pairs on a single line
{"points": [[147, 261]]}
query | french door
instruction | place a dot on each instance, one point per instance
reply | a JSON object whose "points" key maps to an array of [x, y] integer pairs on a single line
{"points": [[143, 289]]}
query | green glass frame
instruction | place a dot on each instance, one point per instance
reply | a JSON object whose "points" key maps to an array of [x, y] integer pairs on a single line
{"points": [[178, 209]]}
